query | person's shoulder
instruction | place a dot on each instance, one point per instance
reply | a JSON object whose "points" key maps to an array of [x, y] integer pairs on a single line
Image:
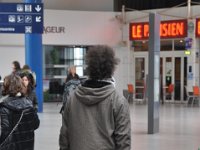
{"points": [[26, 101], [3, 98], [118, 98], [2, 101]]}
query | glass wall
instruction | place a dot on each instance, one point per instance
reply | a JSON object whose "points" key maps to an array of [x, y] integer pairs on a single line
{"points": [[165, 45], [57, 60]]}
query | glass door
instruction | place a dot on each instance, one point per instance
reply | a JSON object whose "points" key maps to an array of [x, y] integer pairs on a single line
{"points": [[139, 77], [174, 71]]}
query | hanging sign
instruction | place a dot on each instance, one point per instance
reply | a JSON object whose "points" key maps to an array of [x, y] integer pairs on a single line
{"points": [[198, 27], [168, 29], [21, 18]]}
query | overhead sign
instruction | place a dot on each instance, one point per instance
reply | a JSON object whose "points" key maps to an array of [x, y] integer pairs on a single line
{"points": [[187, 52], [168, 29], [21, 18], [198, 27], [188, 43]]}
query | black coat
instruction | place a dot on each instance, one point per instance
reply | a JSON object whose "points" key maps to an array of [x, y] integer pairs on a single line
{"points": [[33, 97], [10, 111]]}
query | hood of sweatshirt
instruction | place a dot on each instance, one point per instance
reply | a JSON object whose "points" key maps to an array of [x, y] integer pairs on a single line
{"points": [[92, 96]]}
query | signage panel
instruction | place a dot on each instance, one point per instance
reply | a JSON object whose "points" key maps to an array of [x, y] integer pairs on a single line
{"points": [[198, 27], [168, 29], [21, 18]]}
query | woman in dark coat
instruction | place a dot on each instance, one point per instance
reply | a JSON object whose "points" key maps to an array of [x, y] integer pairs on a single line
{"points": [[29, 83], [18, 117]]}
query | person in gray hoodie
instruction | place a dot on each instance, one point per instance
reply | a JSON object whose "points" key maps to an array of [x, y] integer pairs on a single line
{"points": [[96, 116]]}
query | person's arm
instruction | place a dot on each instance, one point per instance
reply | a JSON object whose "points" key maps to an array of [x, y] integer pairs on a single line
{"points": [[35, 101], [36, 120], [33, 97], [5, 124], [63, 138], [122, 133]]}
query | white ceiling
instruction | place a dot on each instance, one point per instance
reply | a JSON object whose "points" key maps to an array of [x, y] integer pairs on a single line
{"points": [[85, 5]]}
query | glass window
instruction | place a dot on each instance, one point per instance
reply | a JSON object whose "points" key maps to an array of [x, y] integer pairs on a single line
{"points": [[166, 45], [179, 45], [59, 58], [140, 46]]}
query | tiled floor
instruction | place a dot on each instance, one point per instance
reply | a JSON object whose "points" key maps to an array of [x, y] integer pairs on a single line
{"points": [[179, 128]]}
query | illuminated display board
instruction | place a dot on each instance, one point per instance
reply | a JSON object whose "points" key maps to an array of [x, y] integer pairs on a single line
{"points": [[198, 27], [168, 29]]}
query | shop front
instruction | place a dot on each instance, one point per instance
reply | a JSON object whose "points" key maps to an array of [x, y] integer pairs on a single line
{"points": [[178, 57]]}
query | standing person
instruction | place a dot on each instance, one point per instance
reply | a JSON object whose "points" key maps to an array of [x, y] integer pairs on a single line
{"points": [[28, 69], [16, 68], [29, 83], [18, 118], [96, 116], [72, 74], [72, 81]]}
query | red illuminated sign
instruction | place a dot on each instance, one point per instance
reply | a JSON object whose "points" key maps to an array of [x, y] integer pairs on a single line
{"points": [[197, 27], [168, 29]]}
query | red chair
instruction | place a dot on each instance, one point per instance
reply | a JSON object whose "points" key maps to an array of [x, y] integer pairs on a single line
{"points": [[130, 92], [196, 94], [169, 92], [130, 88], [171, 88], [190, 96]]}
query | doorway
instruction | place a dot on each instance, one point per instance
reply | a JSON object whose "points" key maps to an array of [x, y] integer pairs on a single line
{"points": [[173, 70]]}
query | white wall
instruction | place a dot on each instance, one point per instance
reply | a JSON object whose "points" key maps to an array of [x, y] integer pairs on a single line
{"points": [[8, 55], [124, 70], [82, 28]]}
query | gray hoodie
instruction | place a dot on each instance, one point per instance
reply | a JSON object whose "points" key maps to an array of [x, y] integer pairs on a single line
{"points": [[96, 119]]}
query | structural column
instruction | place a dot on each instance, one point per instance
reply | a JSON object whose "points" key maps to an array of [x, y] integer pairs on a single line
{"points": [[33, 58], [154, 73]]}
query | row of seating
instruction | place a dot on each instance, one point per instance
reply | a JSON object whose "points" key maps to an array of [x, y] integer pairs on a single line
{"points": [[141, 96], [194, 96], [133, 94]]}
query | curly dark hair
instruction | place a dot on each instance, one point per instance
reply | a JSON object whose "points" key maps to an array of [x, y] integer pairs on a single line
{"points": [[101, 62], [13, 85]]}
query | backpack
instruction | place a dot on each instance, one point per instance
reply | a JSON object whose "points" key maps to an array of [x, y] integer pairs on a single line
{"points": [[69, 87]]}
